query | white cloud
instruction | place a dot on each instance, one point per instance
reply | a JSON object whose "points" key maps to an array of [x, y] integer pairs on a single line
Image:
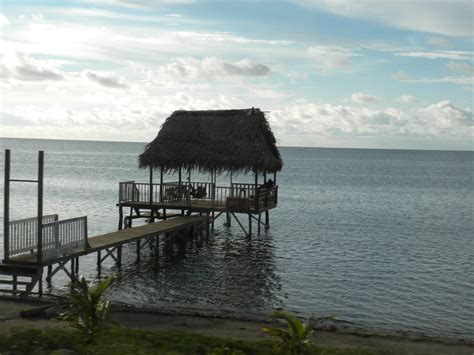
{"points": [[104, 115], [452, 18], [107, 79], [327, 58], [294, 75], [25, 68], [137, 4], [453, 55], [34, 17], [461, 67], [461, 80], [3, 20], [401, 75], [211, 68], [406, 99], [269, 93], [439, 42], [442, 119], [361, 98]]}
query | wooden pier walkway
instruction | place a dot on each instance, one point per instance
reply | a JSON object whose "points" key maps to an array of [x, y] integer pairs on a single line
{"points": [[27, 265], [118, 238]]}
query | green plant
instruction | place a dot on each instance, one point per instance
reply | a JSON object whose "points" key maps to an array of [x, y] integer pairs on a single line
{"points": [[225, 350], [295, 338], [90, 307]]}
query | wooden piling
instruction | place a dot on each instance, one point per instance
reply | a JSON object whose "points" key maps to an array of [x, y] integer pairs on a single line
{"points": [[6, 206], [40, 205], [120, 224], [250, 225]]}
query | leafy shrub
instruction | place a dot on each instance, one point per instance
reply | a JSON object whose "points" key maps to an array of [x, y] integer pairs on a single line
{"points": [[90, 307], [295, 338]]}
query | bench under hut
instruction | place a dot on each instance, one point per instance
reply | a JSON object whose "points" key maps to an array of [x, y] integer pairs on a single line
{"points": [[212, 142]]}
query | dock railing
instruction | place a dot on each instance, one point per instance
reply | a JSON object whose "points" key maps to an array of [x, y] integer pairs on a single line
{"points": [[61, 238], [58, 238], [23, 235]]}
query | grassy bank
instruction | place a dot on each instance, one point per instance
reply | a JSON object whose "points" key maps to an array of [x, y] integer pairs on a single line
{"points": [[135, 341]]}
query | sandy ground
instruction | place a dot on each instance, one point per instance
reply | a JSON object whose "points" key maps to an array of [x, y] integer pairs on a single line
{"points": [[241, 329]]}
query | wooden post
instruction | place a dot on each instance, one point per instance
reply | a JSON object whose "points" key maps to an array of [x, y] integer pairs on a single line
{"points": [[255, 195], [120, 224], [250, 224], [267, 218], [119, 256], [180, 190], [40, 205], [274, 178], [6, 207], [212, 225], [73, 267], [99, 261], [86, 234], [259, 222], [161, 184], [40, 283], [213, 186], [151, 185]]}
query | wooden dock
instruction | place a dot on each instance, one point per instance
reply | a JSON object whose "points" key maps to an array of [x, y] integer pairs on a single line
{"points": [[27, 265], [117, 238]]}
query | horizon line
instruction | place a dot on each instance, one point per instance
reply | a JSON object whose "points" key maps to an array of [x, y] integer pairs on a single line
{"points": [[280, 146]]}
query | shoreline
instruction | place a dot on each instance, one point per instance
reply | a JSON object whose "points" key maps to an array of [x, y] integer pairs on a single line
{"points": [[240, 328], [255, 317], [330, 327]]}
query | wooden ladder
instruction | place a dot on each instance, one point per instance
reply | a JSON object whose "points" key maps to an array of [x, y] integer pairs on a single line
{"points": [[19, 280]]}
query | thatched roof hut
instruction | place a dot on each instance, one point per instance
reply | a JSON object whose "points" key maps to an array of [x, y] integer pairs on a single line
{"points": [[214, 141]]}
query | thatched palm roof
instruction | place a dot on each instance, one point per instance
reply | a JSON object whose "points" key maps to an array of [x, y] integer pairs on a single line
{"points": [[216, 140]]}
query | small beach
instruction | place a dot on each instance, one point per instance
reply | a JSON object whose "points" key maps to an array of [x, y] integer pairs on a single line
{"points": [[240, 329]]}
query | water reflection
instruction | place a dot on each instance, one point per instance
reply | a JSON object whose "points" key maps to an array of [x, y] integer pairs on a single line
{"points": [[226, 272]]}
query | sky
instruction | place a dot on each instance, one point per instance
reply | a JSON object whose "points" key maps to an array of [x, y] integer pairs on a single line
{"points": [[328, 73]]}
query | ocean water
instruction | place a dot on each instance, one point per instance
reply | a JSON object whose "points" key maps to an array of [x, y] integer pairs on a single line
{"points": [[380, 238]]}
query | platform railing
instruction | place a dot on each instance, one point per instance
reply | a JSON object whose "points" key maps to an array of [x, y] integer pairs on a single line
{"points": [[266, 198], [179, 194], [61, 238], [131, 191], [187, 191], [23, 235]]}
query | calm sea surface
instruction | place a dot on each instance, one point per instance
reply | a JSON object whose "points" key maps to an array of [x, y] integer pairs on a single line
{"points": [[381, 238]]}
